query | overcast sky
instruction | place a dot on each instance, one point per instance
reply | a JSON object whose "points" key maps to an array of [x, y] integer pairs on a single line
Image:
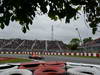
{"points": [[41, 30]]}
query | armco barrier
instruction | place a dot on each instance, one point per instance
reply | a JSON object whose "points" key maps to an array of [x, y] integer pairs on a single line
{"points": [[55, 53]]}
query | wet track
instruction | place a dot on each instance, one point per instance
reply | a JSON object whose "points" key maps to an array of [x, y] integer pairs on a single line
{"points": [[59, 58], [73, 59]]}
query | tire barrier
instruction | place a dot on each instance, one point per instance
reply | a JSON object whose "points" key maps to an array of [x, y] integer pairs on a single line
{"points": [[5, 67], [56, 63], [47, 70], [73, 65], [55, 53], [31, 65], [14, 64], [17, 72], [84, 71]]}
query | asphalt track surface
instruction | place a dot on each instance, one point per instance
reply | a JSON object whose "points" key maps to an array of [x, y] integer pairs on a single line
{"points": [[60, 58]]}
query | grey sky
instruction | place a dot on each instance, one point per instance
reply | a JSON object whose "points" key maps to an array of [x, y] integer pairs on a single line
{"points": [[41, 30]]}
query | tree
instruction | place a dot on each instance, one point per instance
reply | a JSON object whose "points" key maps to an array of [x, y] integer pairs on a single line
{"points": [[74, 43], [24, 11], [87, 39]]}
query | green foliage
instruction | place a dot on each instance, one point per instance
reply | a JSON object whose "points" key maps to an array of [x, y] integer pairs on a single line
{"points": [[87, 39], [74, 43], [24, 11]]}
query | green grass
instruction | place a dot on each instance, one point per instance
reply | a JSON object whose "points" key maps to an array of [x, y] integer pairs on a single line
{"points": [[17, 60]]}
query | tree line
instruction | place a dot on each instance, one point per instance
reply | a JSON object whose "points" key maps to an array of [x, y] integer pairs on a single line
{"points": [[76, 42]]}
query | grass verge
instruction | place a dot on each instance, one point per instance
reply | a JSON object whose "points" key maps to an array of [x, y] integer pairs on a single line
{"points": [[17, 60]]}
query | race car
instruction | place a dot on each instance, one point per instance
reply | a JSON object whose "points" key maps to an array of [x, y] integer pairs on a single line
{"points": [[34, 56]]}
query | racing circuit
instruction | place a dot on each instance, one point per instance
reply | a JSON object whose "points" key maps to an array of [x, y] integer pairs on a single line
{"points": [[23, 48], [59, 58], [93, 68]]}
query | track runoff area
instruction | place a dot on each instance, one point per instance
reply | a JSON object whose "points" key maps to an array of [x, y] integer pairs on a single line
{"points": [[69, 68]]}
